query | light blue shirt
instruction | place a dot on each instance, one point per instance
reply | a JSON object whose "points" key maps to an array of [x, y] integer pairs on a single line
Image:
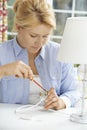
{"points": [[52, 73]]}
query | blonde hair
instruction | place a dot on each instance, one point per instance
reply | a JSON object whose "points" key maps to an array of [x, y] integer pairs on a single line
{"points": [[29, 13]]}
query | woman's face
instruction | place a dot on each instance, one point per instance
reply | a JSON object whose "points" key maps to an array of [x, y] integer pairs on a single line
{"points": [[33, 38]]}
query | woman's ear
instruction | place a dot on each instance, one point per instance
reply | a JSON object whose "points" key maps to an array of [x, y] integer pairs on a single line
{"points": [[18, 27]]}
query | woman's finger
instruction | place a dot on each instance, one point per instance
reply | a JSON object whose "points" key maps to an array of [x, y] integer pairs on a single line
{"points": [[50, 101], [51, 104], [25, 70]]}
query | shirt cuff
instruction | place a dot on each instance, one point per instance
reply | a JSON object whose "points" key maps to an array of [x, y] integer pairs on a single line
{"points": [[66, 101]]}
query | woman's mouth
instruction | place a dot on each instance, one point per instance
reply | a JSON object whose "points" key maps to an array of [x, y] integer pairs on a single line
{"points": [[35, 47]]}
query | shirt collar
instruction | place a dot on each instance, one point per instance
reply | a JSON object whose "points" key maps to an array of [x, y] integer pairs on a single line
{"points": [[17, 47], [42, 53]]}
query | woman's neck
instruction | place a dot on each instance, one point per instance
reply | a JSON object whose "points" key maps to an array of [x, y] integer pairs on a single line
{"points": [[32, 63], [32, 56]]}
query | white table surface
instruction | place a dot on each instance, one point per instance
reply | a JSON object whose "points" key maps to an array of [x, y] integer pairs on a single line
{"points": [[59, 120]]}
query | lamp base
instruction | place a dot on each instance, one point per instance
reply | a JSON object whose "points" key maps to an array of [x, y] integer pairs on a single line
{"points": [[82, 119]]}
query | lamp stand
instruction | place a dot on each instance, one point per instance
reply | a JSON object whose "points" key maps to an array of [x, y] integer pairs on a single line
{"points": [[81, 118]]}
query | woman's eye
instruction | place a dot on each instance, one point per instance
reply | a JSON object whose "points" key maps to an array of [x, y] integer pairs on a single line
{"points": [[33, 36], [45, 36]]}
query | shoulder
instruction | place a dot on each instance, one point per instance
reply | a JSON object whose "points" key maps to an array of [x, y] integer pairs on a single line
{"points": [[5, 45], [6, 49], [52, 46], [51, 49]]}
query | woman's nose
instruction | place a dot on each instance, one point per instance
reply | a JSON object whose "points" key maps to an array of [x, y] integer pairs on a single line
{"points": [[39, 40]]}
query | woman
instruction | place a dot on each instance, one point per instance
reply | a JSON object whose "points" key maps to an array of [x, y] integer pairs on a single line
{"points": [[31, 53]]}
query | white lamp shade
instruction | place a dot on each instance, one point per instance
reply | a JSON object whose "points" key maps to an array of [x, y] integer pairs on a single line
{"points": [[73, 46]]}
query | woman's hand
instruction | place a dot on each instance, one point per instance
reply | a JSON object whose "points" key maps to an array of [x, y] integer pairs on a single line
{"points": [[18, 68], [53, 101]]}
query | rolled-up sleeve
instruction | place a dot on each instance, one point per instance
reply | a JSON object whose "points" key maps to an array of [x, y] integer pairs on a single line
{"points": [[69, 84]]}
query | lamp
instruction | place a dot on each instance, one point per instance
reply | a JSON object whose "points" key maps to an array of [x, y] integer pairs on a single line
{"points": [[73, 49]]}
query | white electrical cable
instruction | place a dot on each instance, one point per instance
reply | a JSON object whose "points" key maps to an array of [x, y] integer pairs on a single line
{"points": [[25, 108]]}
